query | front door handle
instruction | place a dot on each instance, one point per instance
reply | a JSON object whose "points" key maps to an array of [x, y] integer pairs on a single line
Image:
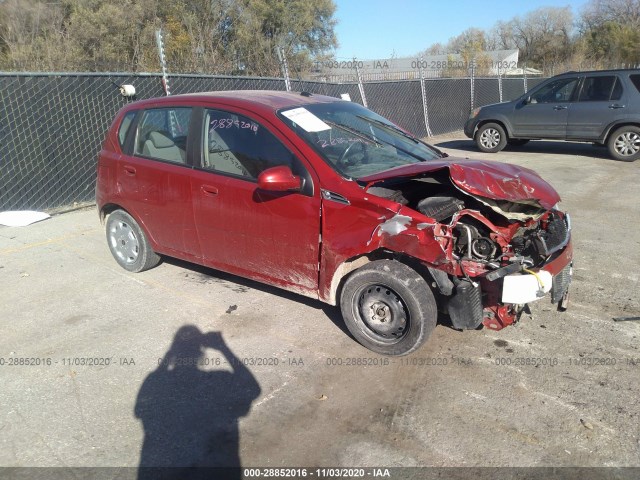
{"points": [[209, 190], [617, 105], [129, 170], [560, 107]]}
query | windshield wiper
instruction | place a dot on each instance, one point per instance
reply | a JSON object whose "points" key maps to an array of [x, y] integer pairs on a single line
{"points": [[389, 127], [377, 141], [396, 129], [355, 132]]}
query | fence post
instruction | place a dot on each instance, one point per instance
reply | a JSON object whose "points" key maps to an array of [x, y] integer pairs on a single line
{"points": [[472, 78], [163, 62], [284, 67], [360, 85], [500, 82], [424, 99], [524, 77]]}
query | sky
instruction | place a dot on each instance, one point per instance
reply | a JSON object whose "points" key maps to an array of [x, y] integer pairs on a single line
{"points": [[378, 29]]}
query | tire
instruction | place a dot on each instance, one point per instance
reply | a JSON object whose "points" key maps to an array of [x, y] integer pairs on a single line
{"points": [[128, 243], [491, 138], [388, 307], [517, 142], [624, 144]]}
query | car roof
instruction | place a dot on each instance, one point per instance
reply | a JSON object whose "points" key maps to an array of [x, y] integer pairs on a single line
{"points": [[590, 72], [250, 99]]}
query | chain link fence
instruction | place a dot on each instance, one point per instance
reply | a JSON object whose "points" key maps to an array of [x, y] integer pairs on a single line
{"points": [[52, 125]]}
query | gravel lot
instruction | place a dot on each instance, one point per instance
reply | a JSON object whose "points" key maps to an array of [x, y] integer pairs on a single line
{"points": [[558, 389]]}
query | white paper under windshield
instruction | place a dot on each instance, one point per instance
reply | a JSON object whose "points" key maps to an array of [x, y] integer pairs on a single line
{"points": [[307, 120]]}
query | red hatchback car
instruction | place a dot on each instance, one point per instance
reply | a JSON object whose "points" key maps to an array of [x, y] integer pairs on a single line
{"points": [[327, 199]]}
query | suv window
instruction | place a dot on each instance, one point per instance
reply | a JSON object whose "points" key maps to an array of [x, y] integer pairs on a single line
{"points": [[557, 91], [636, 81], [237, 145], [600, 89], [162, 134], [124, 127]]}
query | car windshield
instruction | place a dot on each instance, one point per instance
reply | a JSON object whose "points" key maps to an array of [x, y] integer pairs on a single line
{"points": [[354, 140]]}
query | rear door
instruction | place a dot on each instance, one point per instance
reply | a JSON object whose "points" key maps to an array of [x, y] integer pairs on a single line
{"points": [[155, 180], [601, 101], [547, 112], [269, 236]]}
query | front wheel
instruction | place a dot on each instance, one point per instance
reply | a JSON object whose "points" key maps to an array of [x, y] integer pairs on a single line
{"points": [[491, 138], [624, 144], [388, 307]]}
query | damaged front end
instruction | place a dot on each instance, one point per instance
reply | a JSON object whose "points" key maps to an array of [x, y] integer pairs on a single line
{"points": [[489, 233]]}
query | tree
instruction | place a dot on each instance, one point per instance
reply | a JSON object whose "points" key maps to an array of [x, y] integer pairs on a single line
{"points": [[612, 30], [207, 36]]}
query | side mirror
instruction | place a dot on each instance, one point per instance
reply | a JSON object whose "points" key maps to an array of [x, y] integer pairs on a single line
{"points": [[279, 179]]}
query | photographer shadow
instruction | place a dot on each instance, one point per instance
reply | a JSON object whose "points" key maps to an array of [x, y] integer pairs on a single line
{"points": [[190, 415]]}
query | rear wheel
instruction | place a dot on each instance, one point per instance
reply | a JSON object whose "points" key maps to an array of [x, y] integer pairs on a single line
{"points": [[491, 138], [128, 243], [388, 307], [624, 144]]}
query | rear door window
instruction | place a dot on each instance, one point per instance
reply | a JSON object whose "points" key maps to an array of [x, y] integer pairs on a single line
{"points": [[635, 79], [162, 134], [600, 89]]}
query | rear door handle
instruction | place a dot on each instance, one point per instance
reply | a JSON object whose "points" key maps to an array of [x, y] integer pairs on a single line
{"points": [[560, 107], [129, 170], [617, 105], [209, 190]]}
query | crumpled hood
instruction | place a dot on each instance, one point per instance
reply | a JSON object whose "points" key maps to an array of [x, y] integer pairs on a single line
{"points": [[484, 178]]}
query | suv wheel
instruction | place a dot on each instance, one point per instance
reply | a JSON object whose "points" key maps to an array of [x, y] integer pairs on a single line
{"points": [[128, 243], [491, 138], [388, 307], [624, 144]]}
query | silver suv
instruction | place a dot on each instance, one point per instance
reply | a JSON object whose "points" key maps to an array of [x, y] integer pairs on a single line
{"points": [[602, 107]]}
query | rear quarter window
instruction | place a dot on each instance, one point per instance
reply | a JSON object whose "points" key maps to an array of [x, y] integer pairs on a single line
{"points": [[635, 79], [124, 127]]}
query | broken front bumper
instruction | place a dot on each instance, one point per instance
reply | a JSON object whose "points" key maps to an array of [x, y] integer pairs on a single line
{"points": [[499, 302]]}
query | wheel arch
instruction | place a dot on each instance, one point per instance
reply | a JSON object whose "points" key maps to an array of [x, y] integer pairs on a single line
{"points": [[352, 264], [615, 126], [108, 208], [505, 126]]}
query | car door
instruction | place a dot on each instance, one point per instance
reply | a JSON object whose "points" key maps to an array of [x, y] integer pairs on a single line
{"points": [[154, 179], [600, 102], [269, 236], [545, 113]]}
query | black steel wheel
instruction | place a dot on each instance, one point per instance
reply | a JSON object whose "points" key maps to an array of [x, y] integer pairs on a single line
{"points": [[388, 307]]}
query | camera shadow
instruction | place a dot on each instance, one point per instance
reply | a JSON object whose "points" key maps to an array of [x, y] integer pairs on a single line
{"points": [[190, 407]]}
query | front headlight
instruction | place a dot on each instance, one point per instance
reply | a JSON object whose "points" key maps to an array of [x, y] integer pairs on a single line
{"points": [[474, 113]]}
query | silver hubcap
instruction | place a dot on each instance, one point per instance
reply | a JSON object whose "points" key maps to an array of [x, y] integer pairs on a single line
{"points": [[124, 242], [490, 138], [627, 144]]}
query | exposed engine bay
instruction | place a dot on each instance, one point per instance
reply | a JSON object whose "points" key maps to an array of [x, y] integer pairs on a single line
{"points": [[486, 240]]}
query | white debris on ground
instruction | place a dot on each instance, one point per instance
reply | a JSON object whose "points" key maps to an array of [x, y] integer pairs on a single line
{"points": [[22, 218]]}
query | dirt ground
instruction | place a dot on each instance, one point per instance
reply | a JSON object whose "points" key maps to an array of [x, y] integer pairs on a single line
{"points": [[283, 384]]}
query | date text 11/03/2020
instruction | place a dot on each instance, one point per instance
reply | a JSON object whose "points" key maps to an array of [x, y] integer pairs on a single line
{"points": [[415, 64]]}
